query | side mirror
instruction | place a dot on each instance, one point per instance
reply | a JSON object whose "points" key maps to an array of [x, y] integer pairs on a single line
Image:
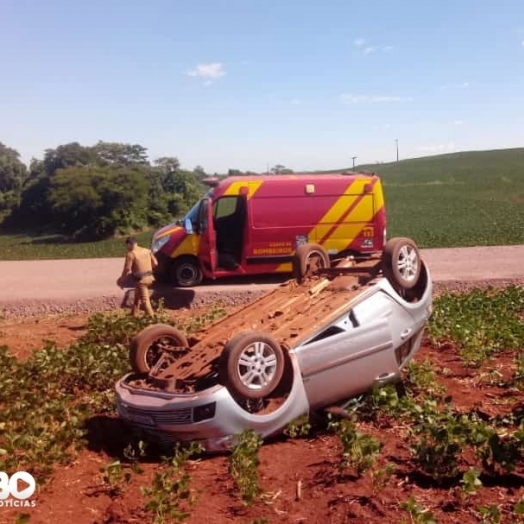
{"points": [[188, 226]]}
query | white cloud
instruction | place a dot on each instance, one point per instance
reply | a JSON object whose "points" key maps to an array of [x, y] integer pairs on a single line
{"points": [[437, 148], [458, 122], [381, 127], [364, 46], [208, 71], [463, 85], [522, 43], [295, 102], [366, 99]]}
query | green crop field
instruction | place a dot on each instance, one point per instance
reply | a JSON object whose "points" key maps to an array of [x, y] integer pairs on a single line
{"points": [[446, 447], [460, 199], [28, 247]]}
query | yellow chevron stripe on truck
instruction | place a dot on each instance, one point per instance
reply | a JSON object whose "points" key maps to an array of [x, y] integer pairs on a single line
{"points": [[326, 232], [337, 210], [189, 246], [234, 188]]}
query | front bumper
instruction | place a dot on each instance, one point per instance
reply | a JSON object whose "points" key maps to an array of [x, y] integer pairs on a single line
{"points": [[210, 417]]}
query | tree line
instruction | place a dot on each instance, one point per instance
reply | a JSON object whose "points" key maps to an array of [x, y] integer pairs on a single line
{"points": [[94, 192]]}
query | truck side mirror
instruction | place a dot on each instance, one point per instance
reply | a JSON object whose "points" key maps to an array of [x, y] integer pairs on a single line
{"points": [[188, 226]]}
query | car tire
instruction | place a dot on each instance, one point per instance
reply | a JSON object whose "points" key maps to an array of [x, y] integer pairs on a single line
{"points": [[401, 263], [252, 365], [186, 272], [309, 258], [148, 345]]}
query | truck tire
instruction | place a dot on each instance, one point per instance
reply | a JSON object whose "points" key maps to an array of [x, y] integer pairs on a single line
{"points": [[148, 345], [401, 263], [186, 272], [252, 365], [308, 259]]}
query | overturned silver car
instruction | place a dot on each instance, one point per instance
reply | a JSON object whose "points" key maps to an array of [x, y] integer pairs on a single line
{"points": [[336, 331]]}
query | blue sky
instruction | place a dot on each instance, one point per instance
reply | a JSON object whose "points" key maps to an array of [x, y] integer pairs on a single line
{"points": [[249, 83]]}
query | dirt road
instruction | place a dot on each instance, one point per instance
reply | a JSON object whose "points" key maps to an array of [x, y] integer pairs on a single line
{"points": [[84, 285]]}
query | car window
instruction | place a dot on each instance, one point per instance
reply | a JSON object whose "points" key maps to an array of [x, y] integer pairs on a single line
{"points": [[225, 206]]}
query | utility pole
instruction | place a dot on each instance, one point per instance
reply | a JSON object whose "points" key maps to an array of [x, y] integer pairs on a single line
{"points": [[396, 141], [353, 158]]}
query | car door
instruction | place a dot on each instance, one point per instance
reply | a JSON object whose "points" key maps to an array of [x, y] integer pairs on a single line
{"points": [[207, 249], [346, 363]]}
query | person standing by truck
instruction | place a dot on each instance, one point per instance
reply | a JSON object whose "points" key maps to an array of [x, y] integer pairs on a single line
{"points": [[140, 262]]}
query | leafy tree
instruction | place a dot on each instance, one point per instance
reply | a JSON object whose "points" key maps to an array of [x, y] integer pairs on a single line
{"points": [[97, 202], [167, 164], [279, 169], [200, 172], [115, 153], [67, 155], [182, 190], [95, 192], [157, 207], [12, 170], [36, 169]]}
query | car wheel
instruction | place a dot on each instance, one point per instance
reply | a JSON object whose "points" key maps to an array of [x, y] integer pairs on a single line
{"points": [[308, 259], [147, 347], [401, 263], [252, 365], [185, 272]]}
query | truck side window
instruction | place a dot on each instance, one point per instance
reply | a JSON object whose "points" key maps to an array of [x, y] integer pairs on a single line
{"points": [[225, 207]]}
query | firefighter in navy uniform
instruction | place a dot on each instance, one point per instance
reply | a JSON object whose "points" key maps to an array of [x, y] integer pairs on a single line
{"points": [[140, 262]]}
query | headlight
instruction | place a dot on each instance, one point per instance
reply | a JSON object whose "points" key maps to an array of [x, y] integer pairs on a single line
{"points": [[159, 243]]}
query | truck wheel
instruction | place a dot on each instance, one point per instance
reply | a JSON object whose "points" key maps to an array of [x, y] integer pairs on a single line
{"points": [[148, 346], [185, 272], [308, 259], [401, 263], [252, 365]]}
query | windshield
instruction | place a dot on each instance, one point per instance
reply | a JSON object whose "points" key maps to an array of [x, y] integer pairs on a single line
{"points": [[193, 213]]}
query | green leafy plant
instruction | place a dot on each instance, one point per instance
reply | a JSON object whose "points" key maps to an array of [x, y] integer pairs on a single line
{"points": [[243, 465], [380, 477], [422, 377], [518, 376], [418, 514], [114, 476], [22, 518], [482, 322], [496, 450], [441, 436], [215, 312], [385, 403], [359, 450], [518, 510], [170, 498], [471, 481], [490, 514], [299, 427], [48, 399]]}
